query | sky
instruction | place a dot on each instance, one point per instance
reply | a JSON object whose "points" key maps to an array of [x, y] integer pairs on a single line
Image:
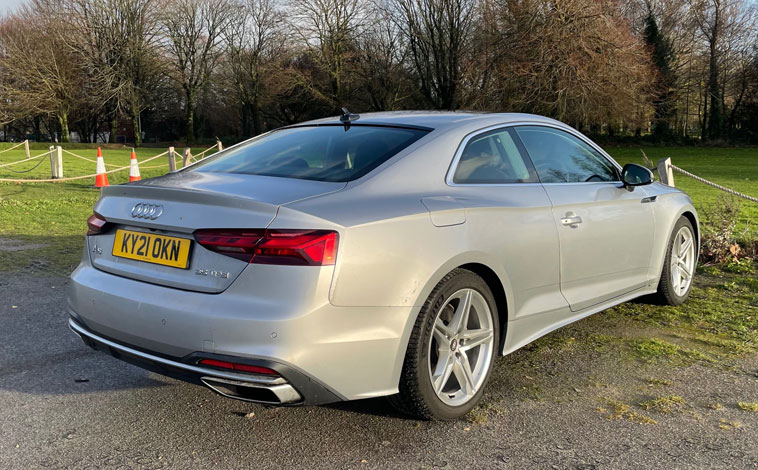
{"points": [[9, 5]]}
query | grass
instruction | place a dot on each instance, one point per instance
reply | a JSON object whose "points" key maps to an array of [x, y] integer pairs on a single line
{"points": [[735, 168], [620, 410], [650, 349], [55, 214], [719, 320], [748, 406], [655, 382], [666, 404], [713, 323]]}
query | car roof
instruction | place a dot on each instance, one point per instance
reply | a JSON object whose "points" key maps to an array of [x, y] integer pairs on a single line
{"points": [[437, 119]]}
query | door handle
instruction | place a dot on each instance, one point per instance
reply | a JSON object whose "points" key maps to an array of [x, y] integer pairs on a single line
{"points": [[571, 219]]}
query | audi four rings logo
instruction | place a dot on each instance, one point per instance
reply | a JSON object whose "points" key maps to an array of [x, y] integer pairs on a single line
{"points": [[144, 210]]}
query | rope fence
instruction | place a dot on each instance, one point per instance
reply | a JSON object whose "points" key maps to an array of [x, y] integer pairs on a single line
{"points": [[85, 158], [58, 151], [665, 167], [30, 169], [14, 147], [74, 178], [715, 185], [666, 171], [24, 160]]}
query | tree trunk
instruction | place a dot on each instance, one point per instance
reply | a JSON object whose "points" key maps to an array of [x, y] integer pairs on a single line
{"points": [[715, 119], [37, 129], [114, 130], [63, 121], [190, 116], [136, 127], [257, 121], [245, 120]]}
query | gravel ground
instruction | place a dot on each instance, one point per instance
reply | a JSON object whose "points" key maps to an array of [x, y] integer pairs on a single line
{"points": [[66, 406]]}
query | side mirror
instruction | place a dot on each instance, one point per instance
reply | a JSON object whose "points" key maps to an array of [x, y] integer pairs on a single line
{"points": [[635, 175]]}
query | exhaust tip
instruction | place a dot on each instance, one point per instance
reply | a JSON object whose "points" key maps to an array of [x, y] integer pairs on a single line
{"points": [[270, 394]]}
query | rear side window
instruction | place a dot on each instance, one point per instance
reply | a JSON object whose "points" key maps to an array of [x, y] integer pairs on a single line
{"points": [[560, 157], [494, 157], [322, 153]]}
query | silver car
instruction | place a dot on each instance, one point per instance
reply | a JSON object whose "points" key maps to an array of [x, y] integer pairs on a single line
{"points": [[391, 254]]}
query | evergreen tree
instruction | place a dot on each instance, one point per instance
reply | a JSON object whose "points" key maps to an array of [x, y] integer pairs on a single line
{"points": [[662, 55]]}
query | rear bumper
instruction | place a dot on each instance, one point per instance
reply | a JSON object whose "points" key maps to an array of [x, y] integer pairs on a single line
{"points": [[291, 388], [274, 316]]}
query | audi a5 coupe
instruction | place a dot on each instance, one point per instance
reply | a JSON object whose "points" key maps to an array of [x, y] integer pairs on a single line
{"points": [[390, 254]]}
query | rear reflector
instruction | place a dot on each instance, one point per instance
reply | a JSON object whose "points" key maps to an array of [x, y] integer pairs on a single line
{"points": [[289, 247], [95, 224], [239, 367]]}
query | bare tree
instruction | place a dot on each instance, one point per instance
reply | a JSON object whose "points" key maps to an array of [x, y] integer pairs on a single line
{"points": [[724, 25], [382, 52], [40, 76], [438, 33], [254, 39], [118, 40], [328, 29], [193, 30]]}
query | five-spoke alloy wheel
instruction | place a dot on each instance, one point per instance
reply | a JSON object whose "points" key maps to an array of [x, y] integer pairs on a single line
{"points": [[451, 349], [682, 260], [679, 264], [460, 350]]}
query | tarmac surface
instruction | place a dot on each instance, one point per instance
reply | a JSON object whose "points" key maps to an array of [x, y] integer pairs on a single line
{"points": [[66, 406]]}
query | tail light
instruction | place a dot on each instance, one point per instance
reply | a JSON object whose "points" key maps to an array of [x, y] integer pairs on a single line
{"points": [[95, 224], [239, 367], [289, 247]]}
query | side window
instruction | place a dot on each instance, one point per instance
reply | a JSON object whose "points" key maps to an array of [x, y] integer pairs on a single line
{"points": [[494, 157], [559, 157]]}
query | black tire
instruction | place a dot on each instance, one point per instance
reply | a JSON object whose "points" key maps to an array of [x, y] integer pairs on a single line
{"points": [[666, 294], [416, 395]]}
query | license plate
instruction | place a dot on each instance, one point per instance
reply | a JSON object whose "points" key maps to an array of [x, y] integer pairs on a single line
{"points": [[152, 248]]}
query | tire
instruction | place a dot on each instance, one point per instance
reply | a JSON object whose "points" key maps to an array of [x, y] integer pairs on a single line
{"points": [[439, 349], [669, 292]]}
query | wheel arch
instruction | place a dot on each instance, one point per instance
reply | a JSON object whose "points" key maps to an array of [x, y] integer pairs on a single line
{"points": [[495, 284], [695, 226], [477, 262]]}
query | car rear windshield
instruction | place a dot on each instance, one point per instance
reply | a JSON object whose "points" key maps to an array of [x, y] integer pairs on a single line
{"points": [[322, 153]]}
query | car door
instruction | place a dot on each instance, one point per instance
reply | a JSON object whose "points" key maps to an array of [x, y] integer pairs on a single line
{"points": [[605, 232], [509, 217]]}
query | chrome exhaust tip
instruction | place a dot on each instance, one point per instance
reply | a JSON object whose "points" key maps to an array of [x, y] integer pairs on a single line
{"points": [[280, 394]]}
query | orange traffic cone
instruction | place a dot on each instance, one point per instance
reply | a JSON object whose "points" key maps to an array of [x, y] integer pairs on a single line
{"points": [[101, 179], [134, 168]]}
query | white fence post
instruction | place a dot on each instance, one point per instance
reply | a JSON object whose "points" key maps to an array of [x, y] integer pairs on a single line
{"points": [[60, 161], [220, 145], [171, 161], [665, 173], [53, 166], [186, 157], [26, 148]]}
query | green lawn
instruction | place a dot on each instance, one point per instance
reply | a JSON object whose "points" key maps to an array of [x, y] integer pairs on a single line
{"points": [[719, 321], [735, 168], [54, 214]]}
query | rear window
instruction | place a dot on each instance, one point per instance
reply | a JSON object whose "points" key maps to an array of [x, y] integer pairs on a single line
{"points": [[322, 153]]}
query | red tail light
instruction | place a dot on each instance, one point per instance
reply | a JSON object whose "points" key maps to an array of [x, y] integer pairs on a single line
{"points": [[95, 224], [291, 247], [238, 244], [239, 367]]}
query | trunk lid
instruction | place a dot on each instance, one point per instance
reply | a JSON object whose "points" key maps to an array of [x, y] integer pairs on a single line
{"points": [[184, 202]]}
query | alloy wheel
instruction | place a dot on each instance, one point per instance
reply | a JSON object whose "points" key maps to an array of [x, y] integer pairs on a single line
{"points": [[460, 350], [682, 261]]}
